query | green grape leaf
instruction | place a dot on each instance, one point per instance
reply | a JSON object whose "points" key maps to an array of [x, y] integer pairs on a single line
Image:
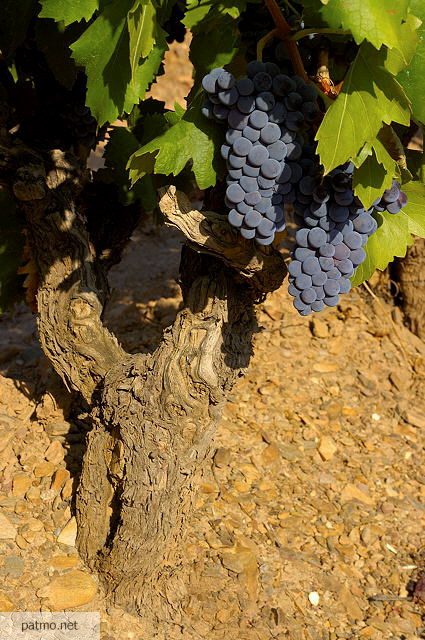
{"points": [[202, 11], [399, 58], [103, 50], [68, 11], [145, 73], [196, 13], [11, 250], [121, 145], [191, 138], [216, 49], [369, 96], [53, 39], [141, 22], [371, 179], [14, 23], [377, 21], [393, 235], [412, 77]]}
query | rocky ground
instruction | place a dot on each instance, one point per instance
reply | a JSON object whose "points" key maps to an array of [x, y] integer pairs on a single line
{"points": [[309, 523]]}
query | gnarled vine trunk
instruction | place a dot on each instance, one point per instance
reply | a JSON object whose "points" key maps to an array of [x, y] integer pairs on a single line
{"points": [[154, 415], [410, 273]]}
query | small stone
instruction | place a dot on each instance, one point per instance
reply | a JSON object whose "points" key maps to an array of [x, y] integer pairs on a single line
{"points": [[13, 566], [415, 418], [44, 469], [72, 589], [290, 452], [64, 562], [21, 484], [325, 367], [327, 448], [6, 605], [351, 492], [314, 598], [319, 328], [7, 529], [69, 533], [67, 490], [222, 457], [55, 452], [270, 454], [60, 476]]}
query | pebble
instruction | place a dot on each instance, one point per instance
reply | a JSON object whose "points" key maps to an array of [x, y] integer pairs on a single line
{"points": [[351, 492], [44, 469], [327, 448], [72, 589], [21, 484], [69, 533], [54, 453], [6, 604], [314, 598], [319, 328], [8, 530]]}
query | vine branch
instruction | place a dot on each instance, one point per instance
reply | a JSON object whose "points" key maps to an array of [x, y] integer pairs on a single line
{"points": [[284, 32]]}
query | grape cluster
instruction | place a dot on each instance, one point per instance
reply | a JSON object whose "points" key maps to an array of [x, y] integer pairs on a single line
{"points": [[392, 200], [334, 227], [79, 124], [264, 149]]}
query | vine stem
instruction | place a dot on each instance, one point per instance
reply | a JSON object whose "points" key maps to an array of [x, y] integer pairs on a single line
{"points": [[285, 33], [306, 32]]}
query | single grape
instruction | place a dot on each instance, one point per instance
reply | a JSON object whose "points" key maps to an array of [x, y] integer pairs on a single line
{"points": [[319, 278], [235, 193], [270, 169], [229, 97], [331, 287], [317, 305], [331, 301], [344, 266], [236, 162], [357, 256], [209, 83], [254, 67], [327, 250], [247, 233], [301, 253], [277, 150], [262, 81], [308, 295], [344, 285], [224, 151], [265, 101], [246, 104], [232, 135], [257, 155], [301, 237], [278, 113], [248, 184], [266, 227], [242, 146], [235, 174], [251, 172], [235, 218], [251, 134], [353, 240], [225, 80], [245, 86], [220, 112], [237, 120], [311, 265], [258, 119], [243, 208], [252, 198], [264, 240], [265, 183], [303, 282], [320, 292], [270, 133], [253, 219], [282, 85], [316, 237], [294, 268], [326, 263]]}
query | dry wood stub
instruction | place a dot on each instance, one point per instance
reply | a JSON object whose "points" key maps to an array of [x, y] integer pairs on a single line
{"points": [[154, 416]]}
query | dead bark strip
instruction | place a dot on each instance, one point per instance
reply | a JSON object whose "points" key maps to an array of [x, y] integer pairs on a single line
{"points": [[155, 416], [410, 273]]}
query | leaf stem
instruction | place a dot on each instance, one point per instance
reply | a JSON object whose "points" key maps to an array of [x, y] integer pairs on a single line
{"points": [[306, 32], [284, 32]]}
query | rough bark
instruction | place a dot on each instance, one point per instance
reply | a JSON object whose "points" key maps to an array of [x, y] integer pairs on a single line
{"points": [[154, 415], [410, 273]]}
